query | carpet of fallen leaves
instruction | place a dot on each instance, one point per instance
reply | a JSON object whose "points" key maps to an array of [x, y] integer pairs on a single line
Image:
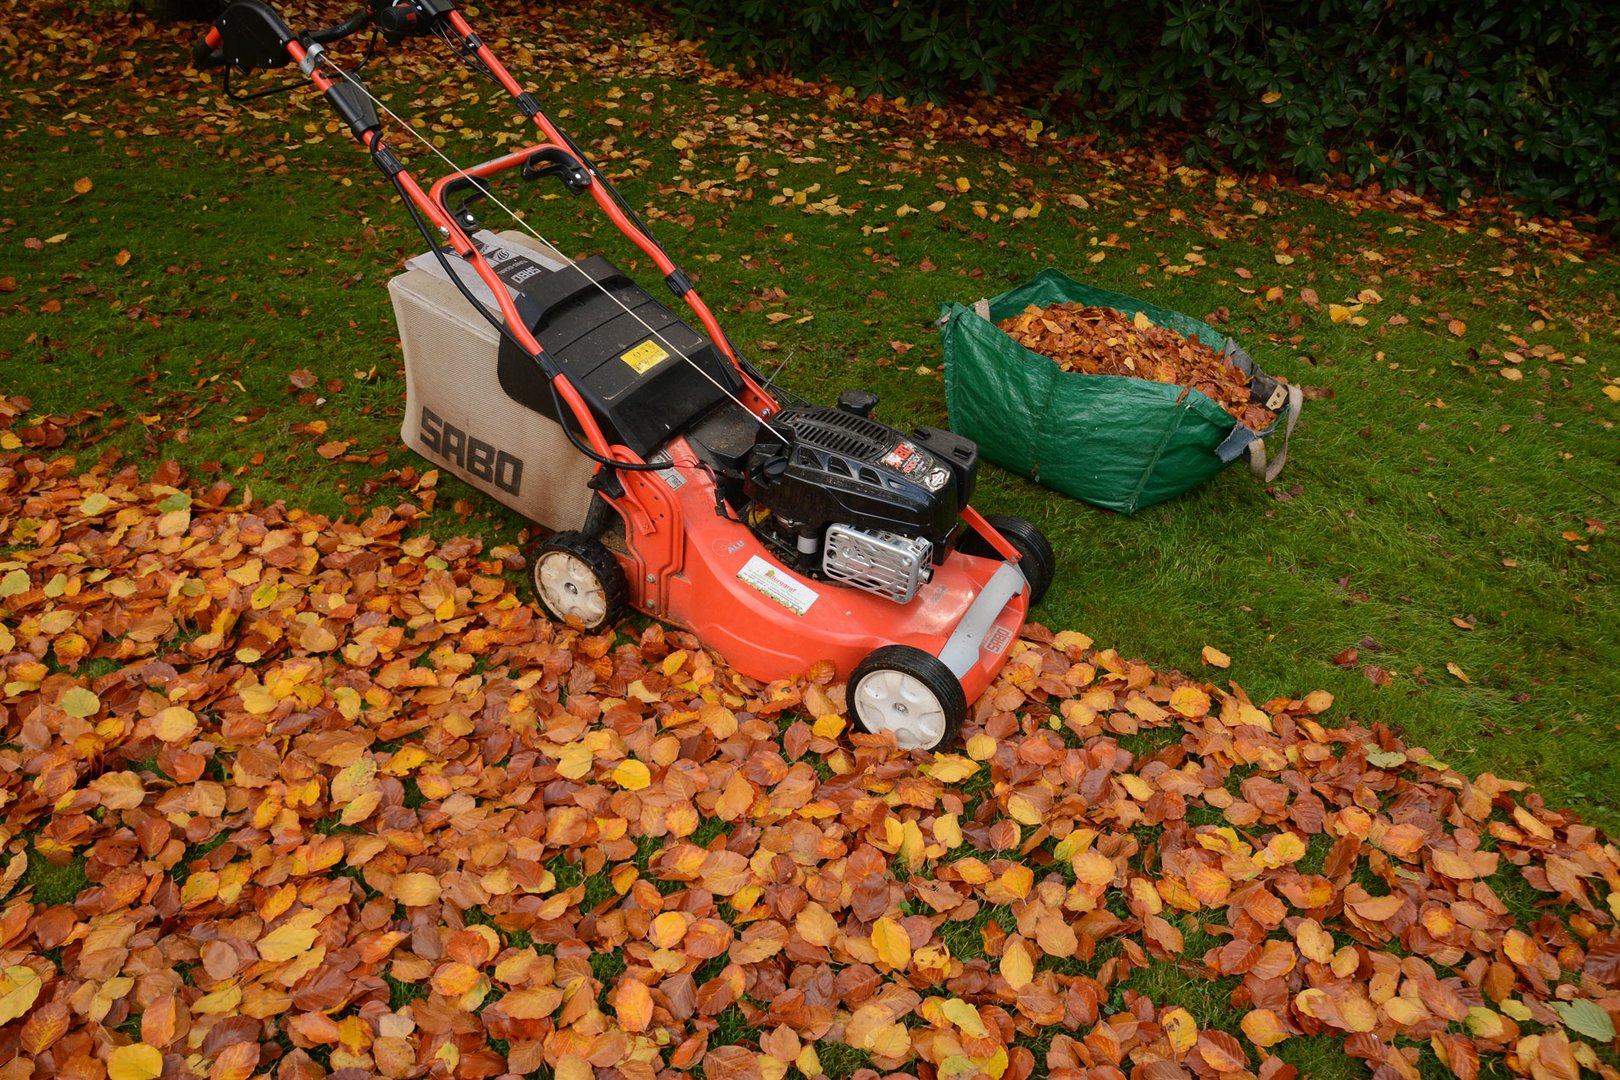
{"points": [[1101, 341], [347, 805]]}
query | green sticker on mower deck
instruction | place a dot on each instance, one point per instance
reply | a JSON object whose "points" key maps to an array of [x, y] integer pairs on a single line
{"points": [[644, 357]]}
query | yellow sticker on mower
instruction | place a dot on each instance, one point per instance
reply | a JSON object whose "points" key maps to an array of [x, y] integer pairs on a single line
{"points": [[644, 357]]}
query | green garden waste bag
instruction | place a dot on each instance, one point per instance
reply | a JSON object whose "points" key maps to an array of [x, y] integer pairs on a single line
{"points": [[1112, 441]]}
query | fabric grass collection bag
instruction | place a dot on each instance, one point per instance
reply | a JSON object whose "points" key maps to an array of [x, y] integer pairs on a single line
{"points": [[1113, 441]]}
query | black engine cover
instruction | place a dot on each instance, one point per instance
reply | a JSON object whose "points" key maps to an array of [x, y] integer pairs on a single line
{"points": [[840, 467]]}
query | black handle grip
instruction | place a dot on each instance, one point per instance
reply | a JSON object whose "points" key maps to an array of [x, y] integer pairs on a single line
{"points": [[204, 56], [352, 25], [401, 20]]}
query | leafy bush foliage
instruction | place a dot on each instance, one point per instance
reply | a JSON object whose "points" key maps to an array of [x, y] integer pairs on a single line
{"points": [[1452, 96]]}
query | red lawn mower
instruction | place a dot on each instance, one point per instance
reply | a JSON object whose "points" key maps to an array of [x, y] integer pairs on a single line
{"points": [[670, 478]]}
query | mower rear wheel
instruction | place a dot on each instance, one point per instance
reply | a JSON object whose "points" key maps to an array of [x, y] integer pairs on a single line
{"points": [[579, 582], [907, 691], [1035, 556]]}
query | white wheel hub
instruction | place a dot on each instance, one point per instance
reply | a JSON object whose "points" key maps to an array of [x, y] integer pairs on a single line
{"points": [[570, 588], [889, 700]]}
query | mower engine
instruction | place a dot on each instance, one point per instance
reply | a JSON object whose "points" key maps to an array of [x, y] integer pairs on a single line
{"points": [[842, 497]]}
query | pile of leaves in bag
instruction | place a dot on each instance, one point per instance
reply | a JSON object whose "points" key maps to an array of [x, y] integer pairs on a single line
{"points": [[344, 805], [1102, 341]]}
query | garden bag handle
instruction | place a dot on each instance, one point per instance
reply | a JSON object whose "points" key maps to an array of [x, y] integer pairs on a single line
{"points": [[1264, 471]]}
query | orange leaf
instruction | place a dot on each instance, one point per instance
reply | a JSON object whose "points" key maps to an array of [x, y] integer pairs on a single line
{"points": [[633, 1004], [1017, 965], [1263, 1028]]}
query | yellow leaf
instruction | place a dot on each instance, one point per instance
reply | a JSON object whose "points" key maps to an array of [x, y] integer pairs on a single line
{"points": [[1136, 787], [80, 702], [1021, 810], [83, 185], [286, 942], [174, 723], [1180, 1028], [1284, 848], [1457, 327], [952, 768], [632, 775], [1215, 658], [1338, 312], [1017, 965], [1073, 844], [962, 183], [964, 1016], [219, 1003], [890, 1041], [1612, 392], [361, 807], [1482, 1023], [137, 1061], [416, 889], [1270, 97], [258, 700], [891, 942], [122, 257], [575, 760], [1458, 672], [1190, 701], [19, 988], [1141, 321], [828, 726]]}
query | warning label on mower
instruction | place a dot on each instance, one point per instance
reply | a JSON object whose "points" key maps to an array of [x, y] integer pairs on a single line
{"points": [[778, 584], [644, 357]]}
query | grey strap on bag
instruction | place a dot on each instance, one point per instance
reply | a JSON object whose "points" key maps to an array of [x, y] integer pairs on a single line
{"points": [[1264, 471]]}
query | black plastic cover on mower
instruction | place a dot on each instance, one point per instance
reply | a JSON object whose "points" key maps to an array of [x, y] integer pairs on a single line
{"points": [[618, 345]]}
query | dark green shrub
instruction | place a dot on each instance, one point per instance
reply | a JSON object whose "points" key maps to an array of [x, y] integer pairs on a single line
{"points": [[1453, 96]]}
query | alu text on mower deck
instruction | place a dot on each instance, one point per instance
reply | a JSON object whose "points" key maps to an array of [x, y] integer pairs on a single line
{"points": [[670, 478]]}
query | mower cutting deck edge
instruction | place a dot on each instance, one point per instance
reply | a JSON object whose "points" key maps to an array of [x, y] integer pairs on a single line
{"points": [[670, 479]]}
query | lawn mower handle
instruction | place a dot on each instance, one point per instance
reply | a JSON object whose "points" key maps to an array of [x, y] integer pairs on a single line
{"points": [[260, 35]]}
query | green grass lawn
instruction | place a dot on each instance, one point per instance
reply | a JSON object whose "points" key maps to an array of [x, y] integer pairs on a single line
{"points": [[1446, 523]]}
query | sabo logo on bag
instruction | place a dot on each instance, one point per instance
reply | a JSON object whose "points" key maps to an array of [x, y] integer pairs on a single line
{"points": [[473, 456]]}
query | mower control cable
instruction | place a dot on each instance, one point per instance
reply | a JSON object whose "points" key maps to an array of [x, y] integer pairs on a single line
{"points": [[550, 370], [653, 331], [464, 49]]}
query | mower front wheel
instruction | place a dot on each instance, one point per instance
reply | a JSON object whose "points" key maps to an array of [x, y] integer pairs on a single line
{"points": [[912, 693], [579, 582], [1035, 556]]}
